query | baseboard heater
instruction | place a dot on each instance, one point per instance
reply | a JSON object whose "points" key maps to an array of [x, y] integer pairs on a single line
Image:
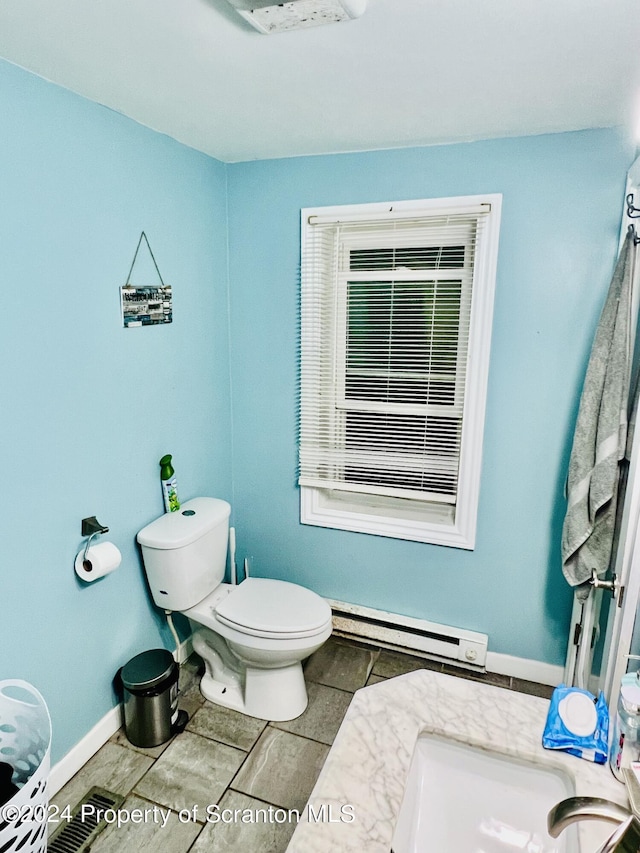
{"points": [[427, 639]]}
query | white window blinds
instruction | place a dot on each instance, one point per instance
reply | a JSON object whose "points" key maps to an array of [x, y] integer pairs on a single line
{"points": [[386, 307]]}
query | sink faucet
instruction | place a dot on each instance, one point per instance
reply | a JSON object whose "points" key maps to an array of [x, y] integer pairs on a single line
{"points": [[625, 839]]}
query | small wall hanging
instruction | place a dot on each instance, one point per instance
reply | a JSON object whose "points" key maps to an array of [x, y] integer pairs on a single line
{"points": [[145, 306]]}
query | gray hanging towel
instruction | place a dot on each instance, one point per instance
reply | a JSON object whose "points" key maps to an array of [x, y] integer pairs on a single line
{"points": [[600, 438]]}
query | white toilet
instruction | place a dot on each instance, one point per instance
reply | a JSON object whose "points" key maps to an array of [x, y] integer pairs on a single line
{"points": [[252, 637]]}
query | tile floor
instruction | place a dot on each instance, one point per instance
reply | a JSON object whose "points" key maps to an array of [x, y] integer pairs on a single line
{"points": [[225, 760]]}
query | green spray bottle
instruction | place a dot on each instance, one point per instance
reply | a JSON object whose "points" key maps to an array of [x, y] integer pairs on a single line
{"points": [[169, 485]]}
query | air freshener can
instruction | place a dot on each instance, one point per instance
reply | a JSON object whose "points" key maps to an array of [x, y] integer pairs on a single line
{"points": [[169, 485]]}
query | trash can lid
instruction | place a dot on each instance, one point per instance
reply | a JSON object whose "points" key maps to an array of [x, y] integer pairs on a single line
{"points": [[147, 669]]}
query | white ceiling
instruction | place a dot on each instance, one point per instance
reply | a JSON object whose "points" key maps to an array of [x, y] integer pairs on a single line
{"points": [[409, 72]]}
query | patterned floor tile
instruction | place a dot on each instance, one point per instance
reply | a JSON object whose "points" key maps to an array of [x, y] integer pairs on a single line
{"points": [[113, 767], [323, 716], [245, 824], [208, 768], [340, 664], [391, 663], [281, 769], [191, 773], [227, 726]]}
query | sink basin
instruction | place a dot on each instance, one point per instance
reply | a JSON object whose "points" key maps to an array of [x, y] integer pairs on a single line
{"points": [[460, 799]]}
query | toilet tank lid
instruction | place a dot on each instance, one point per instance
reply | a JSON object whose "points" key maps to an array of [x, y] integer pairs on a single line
{"points": [[177, 529]]}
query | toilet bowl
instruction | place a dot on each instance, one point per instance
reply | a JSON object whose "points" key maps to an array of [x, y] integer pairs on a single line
{"points": [[269, 627], [252, 637]]}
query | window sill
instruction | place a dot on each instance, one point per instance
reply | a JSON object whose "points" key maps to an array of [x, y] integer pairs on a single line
{"points": [[437, 524]]}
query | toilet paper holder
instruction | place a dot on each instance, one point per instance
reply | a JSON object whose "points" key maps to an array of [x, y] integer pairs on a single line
{"points": [[91, 527]]}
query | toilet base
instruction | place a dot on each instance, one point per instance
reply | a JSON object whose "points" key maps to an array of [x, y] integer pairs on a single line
{"points": [[269, 694], [227, 695], [276, 694]]}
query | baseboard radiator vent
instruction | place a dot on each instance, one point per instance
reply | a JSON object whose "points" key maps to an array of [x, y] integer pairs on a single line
{"points": [[404, 633]]}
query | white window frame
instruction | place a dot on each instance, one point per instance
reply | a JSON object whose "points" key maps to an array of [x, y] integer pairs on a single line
{"points": [[415, 520]]}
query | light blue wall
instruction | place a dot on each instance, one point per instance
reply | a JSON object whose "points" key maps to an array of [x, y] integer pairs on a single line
{"points": [[561, 216], [88, 407]]}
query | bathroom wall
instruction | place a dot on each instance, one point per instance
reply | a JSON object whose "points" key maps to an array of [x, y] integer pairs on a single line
{"points": [[88, 407], [561, 217]]}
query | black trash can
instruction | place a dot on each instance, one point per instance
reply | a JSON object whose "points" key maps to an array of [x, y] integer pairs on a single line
{"points": [[150, 687]]}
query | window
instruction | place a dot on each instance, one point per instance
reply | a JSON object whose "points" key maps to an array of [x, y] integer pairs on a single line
{"points": [[396, 312]]}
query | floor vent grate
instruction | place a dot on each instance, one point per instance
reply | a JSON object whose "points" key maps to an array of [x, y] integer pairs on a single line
{"points": [[85, 824]]}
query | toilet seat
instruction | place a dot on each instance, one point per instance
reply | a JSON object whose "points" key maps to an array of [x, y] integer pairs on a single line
{"points": [[263, 607]]}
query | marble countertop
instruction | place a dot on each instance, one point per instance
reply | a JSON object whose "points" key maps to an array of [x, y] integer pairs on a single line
{"points": [[369, 760]]}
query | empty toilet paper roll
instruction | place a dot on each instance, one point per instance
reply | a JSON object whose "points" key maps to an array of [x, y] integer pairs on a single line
{"points": [[100, 561]]}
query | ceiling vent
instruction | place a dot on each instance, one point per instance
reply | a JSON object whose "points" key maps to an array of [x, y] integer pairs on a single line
{"points": [[268, 17]]}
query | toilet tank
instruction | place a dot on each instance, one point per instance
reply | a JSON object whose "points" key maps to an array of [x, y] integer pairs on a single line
{"points": [[185, 552]]}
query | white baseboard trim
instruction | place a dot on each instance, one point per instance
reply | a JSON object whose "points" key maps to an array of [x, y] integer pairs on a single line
{"points": [[530, 670], [105, 728]]}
